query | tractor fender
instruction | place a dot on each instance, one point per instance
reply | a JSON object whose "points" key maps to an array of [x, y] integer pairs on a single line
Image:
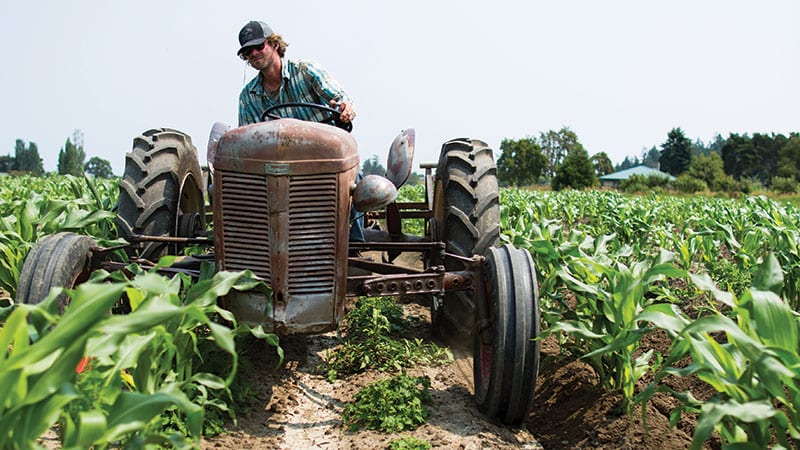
{"points": [[401, 157]]}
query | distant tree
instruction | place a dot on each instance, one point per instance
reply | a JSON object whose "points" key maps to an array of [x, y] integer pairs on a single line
{"points": [[650, 157], [740, 158], [72, 156], [7, 163], [768, 147], [700, 148], [373, 167], [676, 153], [783, 185], [99, 167], [555, 146], [789, 158], [27, 159], [716, 144], [521, 162], [576, 171], [628, 163], [709, 169], [602, 164], [414, 179]]}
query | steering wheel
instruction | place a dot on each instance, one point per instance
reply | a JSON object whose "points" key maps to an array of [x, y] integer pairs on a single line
{"points": [[333, 116]]}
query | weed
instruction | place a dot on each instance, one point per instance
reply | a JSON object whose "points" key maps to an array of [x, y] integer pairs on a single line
{"points": [[369, 342], [409, 443], [391, 405]]}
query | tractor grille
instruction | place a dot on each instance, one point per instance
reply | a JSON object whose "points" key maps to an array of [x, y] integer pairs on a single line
{"points": [[246, 223], [311, 229], [312, 232]]}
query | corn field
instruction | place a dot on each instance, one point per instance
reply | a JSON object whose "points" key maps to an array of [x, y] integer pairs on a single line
{"points": [[720, 277], [149, 378]]}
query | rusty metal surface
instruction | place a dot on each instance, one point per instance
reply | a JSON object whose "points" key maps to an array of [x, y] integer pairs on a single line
{"points": [[286, 147], [401, 158], [373, 192], [281, 208], [435, 283]]}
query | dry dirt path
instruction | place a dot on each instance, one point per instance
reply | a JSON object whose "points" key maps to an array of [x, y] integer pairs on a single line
{"points": [[297, 408]]}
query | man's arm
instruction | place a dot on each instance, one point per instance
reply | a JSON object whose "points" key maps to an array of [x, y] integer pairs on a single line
{"points": [[329, 90]]}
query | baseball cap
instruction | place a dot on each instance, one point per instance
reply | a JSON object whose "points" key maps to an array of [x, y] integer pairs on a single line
{"points": [[253, 33]]}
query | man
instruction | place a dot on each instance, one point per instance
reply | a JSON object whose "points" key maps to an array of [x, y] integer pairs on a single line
{"points": [[281, 81]]}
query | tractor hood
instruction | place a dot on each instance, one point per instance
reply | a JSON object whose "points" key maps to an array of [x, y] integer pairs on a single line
{"points": [[286, 147]]}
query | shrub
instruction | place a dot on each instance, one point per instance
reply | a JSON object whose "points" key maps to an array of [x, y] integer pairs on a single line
{"points": [[784, 185], [747, 185], [688, 184]]}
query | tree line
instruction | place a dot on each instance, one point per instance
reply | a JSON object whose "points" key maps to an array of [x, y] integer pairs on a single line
{"points": [[740, 162], [71, 160]]}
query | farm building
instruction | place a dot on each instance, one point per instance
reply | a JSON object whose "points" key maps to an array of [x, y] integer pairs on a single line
{"points": [[613, 179]]}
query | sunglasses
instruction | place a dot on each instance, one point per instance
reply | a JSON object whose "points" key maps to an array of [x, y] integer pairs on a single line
{"points": [[245, 53]]}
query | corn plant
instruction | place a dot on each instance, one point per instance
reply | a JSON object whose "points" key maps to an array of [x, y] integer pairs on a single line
{"points": [[33, 207], [752, 361], [604, 322], [143, 388]]}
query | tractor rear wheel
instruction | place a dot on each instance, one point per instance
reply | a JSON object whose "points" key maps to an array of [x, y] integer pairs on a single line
{"points": [[506, 358], [466, 212], [58, 260], [160, 193]]}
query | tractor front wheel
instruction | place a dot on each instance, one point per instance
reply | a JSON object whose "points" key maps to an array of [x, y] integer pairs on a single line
{"points": [[506, 358], [58, 260]]}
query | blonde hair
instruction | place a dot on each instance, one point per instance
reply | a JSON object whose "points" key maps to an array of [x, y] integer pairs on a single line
{"points": [[276, 41]]}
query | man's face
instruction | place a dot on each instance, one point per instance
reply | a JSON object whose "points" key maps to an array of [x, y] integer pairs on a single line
{"points": [[262, 58]]}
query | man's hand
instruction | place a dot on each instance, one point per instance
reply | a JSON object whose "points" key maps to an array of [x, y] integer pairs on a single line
{"points": [[346, 110]]}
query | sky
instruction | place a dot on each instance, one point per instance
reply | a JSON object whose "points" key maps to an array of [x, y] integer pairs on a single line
{"points": [[619, 73]]}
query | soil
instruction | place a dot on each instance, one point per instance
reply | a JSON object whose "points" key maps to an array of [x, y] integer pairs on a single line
{"points": [[297, 408]]}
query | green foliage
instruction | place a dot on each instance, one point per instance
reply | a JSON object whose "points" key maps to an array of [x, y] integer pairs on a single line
{"points": [[521, 162], [602, 164], [729, 275], [392, 405], [27, 159], [412, 193], [136, 380], [371, 314], [789, 158], [99, 167], [31, 207], [373, 167], [753, 368], [576, 172], [641, 183], [71, 156], [747, 186], [596, 255], [414, 179], [556, 145], [650, 157], [604, 324], [409, 443], [784, 185], [7, 163], [709, 169], [371, 342], [689, 184], [676, 153]]}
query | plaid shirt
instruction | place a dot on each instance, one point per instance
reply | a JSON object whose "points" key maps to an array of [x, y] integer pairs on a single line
{"points": [[303, 81]]}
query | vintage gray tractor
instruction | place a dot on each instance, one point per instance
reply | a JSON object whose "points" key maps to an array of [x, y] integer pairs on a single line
{"points": [[279, 194]]}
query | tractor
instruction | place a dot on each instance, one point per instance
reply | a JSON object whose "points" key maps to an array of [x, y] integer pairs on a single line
{"points": [[280, 196]]}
